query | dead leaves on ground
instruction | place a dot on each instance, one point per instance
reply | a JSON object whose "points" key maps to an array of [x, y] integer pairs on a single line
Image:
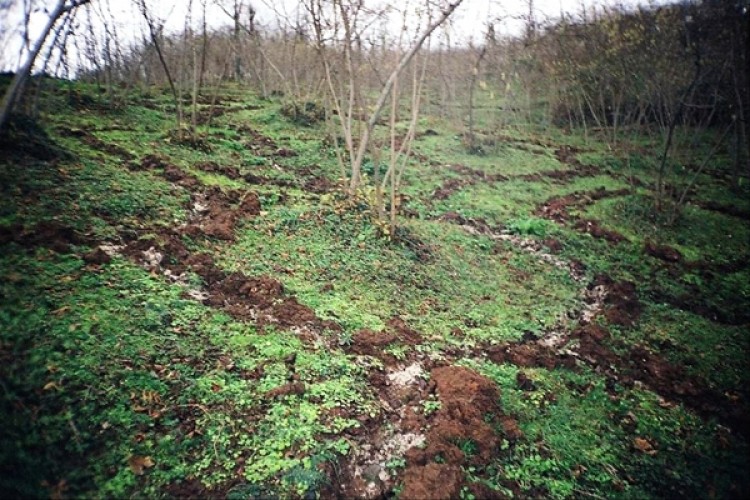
{"points": [[138, 464]]}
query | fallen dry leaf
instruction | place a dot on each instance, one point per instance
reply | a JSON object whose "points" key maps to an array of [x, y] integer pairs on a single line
{"points": [[139, 464], [644, 445], [61, 311]]}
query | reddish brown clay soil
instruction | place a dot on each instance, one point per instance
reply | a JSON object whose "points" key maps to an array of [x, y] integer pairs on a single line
{"points": [[469, 407], [318, 185], [292, 388], [51, 234], [401, 330], [529, 355], [732, 210], [433, 481], [558, 209], [260, 299], [222, 212], [662, 252], [260, 144], [478, 175], [666, 379], [621, 306], [469, 176], [554, 245], [96, 257], [371, 343], [592, 227], [215, 168], [95, 143], [447, 189], [149, 162], [567, 154], [479, 224]]}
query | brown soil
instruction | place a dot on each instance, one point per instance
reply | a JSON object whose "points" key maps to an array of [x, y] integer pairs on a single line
{"points": [[215, 168], [592, 227], [528, 355], [150, 162], [402, 331], [432, 481], [51, 234], [447, 189], [666, 379], [695, 304], [558, 209], [554, 245], [731, 210], [193, 488], [479, 224], [662, 252], [621, 306], [461, 434], [95, 143], [372, 343], [223, 210], [563, 176], [567, 154], [97, 257], [174, 174], [478, 175], [318, 185], [255, 141], [292, 388], [207, 115], [469, 176], [285, 153], [260, 299]]}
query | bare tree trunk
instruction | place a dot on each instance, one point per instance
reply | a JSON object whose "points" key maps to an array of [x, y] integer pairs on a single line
{"points": [[16, 85], [471, 139], [153, 31], [356, 168]]}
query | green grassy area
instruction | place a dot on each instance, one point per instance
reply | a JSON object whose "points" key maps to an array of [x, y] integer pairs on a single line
{"points": [[117, 382]]}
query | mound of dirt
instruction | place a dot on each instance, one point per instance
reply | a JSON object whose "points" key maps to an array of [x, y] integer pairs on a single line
{"points": [[434, 481], [401, 330], [662, 252], [461, 434], [215, 168], [621, 305], [567, 154], [291, 313], [371, 343], [150, 162], [51, 234], [220, 212], [528, 355], [592, 227], [447, 189], [556, 208], [174, 174]]}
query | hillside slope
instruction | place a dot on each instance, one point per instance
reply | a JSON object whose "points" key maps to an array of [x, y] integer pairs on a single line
{"points": [[216, 317]]}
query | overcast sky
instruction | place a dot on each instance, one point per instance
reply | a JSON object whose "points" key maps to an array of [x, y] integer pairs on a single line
{"points": [[467, 22]]}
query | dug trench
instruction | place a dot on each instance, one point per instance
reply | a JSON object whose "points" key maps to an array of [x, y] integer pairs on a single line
{"points": [[464, 431]]}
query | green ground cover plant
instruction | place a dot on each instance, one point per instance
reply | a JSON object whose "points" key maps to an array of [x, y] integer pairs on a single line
{"points": [[143, 353]]}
